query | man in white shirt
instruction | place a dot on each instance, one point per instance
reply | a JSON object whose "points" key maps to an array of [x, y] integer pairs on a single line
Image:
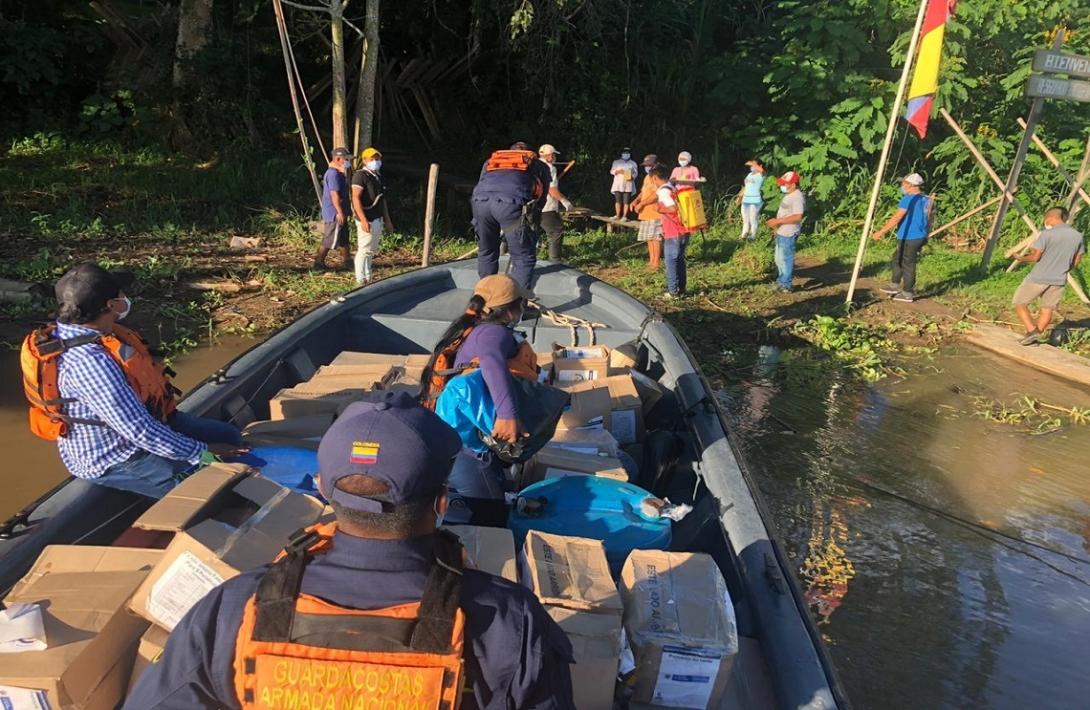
{"points": [[787, 224], [551, 223]]}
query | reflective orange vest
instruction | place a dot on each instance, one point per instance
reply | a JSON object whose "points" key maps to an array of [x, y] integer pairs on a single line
{"points": [[148, 377], [298, 651], [523, 364]]}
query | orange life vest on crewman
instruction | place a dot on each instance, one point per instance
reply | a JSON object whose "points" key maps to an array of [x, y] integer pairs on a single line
{"points": [[38, 359], [295, 650], [519, 160], [523, 364]]}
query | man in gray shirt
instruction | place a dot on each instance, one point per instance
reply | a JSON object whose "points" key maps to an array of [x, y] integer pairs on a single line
{"points": [[787, 224], [1057, 251]]}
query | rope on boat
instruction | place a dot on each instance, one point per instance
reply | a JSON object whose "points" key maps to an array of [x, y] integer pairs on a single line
{"points": [[572, 323]]}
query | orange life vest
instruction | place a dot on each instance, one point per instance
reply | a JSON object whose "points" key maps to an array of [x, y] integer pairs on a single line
{"points": [[295, 650], [38, 359], [519, 160], [523, 364]]}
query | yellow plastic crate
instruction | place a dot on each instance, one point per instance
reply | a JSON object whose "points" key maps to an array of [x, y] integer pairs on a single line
{"points": [[690, 207]]}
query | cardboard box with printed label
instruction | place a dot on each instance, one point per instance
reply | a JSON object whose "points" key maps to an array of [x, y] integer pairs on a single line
{"points": [[680, 622], [588, 407], [585, 364], [305, 432], [625, 416], [585, 441], [571, 577], [490, 550], [551, 462], [219, 542], [91, 636], [148, 651], [290, 403]]}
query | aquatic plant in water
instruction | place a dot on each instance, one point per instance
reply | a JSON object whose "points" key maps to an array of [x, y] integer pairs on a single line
{"points": [[855, 344]]}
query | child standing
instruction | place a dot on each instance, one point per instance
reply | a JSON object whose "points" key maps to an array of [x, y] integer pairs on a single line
{"points": [[675, 235], [751, 199], [624, 182]]}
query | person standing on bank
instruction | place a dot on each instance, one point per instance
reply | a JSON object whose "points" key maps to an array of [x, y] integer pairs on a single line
{"points": [[382, 593], [751, 199], [507, 201], [95, 389], [685, 169], [646, 207], [675, 235], [623, 171], [786, 225], [485, 337], [1057, 251], [371, 210], [336, 206], [551, 223], [913, 222]]}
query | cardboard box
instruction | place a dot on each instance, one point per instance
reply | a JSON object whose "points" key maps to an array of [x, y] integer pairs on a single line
{"points": [[649, 390], [585, 441], [290, 404], [555, 463], [625, 417], [680, 621], [305, 432], [370, 377], [624, 356], [91, 636], [213, 550], [490, 550], [356, 359], [571, 577], [192, 498], [572, 365], [589, 407], [148, 651]]}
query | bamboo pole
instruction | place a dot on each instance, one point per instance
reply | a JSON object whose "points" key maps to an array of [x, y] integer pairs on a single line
{"points": [[891, 128], [967, 215], [1026, 242], [429, 212], [1071, 180], [281, 27]]}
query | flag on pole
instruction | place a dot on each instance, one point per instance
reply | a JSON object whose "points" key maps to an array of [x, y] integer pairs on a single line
{"points": [[925, 80]]}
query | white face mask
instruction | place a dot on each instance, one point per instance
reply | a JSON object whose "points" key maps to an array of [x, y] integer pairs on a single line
{"points": [[128, 308], [683, 163], [783, 189], [374, 165], [625, 156], [438, 515]]}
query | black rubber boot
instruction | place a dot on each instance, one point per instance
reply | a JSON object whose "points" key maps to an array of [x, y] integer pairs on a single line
{"points": [[319, 258]]}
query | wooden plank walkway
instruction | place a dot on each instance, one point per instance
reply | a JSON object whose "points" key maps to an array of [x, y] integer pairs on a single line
{"points": [[1042, 357]]}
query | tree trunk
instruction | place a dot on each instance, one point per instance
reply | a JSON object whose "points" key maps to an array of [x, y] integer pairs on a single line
{"points": [[340, 112], [365, 97], [194, 34]]}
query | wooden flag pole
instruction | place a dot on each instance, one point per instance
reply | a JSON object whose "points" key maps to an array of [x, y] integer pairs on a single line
{"points": [[891, 128]]}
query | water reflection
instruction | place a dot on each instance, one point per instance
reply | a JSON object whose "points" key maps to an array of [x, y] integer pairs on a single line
{"points": [[884, 496]]}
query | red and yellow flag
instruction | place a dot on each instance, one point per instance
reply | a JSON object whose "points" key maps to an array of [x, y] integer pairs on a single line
{"points": [[925, 80]]}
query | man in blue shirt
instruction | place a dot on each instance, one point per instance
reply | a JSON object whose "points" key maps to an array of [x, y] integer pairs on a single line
{"points": [[913, 222], [336, 206], [383, 467], [113, 439]]}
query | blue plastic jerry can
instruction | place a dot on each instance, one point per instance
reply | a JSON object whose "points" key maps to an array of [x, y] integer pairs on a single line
{"points": [[592, 507], [291, 466]]}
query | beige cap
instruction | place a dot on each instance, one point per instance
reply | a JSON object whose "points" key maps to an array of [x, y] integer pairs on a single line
{"points": [[548, 149], [913, 179], [499, 290]]}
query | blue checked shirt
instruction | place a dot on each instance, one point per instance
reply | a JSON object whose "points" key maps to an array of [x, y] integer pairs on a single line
{"points": [[89, 375]]}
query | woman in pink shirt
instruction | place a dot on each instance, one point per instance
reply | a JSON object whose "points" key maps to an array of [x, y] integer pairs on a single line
{"points": [[685, 169]]}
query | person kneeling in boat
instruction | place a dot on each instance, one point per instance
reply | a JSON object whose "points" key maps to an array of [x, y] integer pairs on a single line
{"points": [[95, 389], [375, 610], [484, 337]]}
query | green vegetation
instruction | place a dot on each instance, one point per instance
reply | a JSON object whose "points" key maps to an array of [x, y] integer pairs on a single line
{"points": [[1031, 414]]}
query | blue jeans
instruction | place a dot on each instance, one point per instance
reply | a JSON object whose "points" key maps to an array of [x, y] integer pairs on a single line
{"points": [[155, 476], [673, 251], [785, 259], [475, 478], [493, 214]]}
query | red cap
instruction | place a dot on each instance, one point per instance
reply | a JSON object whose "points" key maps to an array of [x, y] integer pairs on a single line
{"points": [[788, 178]]}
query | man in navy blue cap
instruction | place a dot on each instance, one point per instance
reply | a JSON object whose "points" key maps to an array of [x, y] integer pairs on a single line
{"points": [[383, 466]]}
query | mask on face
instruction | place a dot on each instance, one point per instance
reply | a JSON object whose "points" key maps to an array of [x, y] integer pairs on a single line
{"points": [[783, 189], [625, 156], [438, 515], [646, 170], [374, 165], [128, 308], [904, 191], [683, 163]]}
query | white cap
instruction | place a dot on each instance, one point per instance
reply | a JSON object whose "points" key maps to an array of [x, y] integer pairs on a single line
{"points": [[913, 179], [548, 149], [684, 155]]}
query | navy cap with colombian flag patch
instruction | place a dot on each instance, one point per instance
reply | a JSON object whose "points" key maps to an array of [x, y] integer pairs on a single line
{"points": [[395, 441]]}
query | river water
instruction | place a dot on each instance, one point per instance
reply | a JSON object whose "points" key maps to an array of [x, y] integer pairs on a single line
{"points": [[905, 516], [904, 513]]}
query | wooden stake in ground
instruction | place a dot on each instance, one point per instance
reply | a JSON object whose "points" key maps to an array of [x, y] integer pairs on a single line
{"points": [[894, 117], [429, 212], [1072, 181], [967, 215], [1019, 161]]}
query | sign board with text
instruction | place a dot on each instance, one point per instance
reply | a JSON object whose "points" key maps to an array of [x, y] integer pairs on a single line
{"points": [[1052, 62], [1045, 87]]}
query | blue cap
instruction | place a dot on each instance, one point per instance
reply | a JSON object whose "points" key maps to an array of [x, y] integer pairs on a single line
{"points": [[395, 441]]}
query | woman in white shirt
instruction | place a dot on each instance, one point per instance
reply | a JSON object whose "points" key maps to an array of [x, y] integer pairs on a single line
{"points": [[624, 183]]}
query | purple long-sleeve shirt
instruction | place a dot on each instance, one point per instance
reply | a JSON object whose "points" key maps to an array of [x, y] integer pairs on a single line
{"points": [[493, 345]]}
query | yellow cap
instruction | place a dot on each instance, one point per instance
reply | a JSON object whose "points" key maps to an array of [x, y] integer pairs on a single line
{"points": [[370, 153]]}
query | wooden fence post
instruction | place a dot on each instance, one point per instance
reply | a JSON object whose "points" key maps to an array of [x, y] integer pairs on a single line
{"points": [[429, 212]]}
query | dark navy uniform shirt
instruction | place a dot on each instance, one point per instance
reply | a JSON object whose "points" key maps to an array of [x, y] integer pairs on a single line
{"points": [[515, 654], [516, 185]]}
